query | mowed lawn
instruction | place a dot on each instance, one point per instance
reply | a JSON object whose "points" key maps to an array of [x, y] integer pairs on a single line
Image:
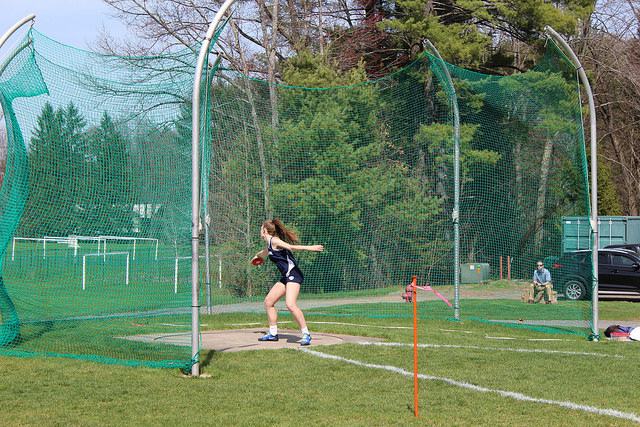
{"points": [[471, 373]]}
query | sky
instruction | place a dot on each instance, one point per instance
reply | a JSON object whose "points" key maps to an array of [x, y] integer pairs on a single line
{"points": [[72, 22]]}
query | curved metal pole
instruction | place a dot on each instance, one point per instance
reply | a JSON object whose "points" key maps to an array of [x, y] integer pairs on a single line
{"points": [[195, 188], [10, 326], [15, 27], [594, 173], [455, 216]]}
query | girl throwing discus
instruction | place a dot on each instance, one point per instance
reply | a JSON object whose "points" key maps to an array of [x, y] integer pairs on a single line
{"points": [[281, 242]]}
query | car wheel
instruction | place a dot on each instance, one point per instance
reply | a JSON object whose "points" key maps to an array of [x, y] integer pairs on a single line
{"points": [[575, 289]]}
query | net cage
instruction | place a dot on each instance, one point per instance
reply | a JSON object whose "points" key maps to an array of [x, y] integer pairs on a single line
{"points": [[96, 200], [369, 171], [95, 204]]}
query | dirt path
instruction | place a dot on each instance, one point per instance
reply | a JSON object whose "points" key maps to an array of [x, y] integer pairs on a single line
{"points": [[394, 297]]}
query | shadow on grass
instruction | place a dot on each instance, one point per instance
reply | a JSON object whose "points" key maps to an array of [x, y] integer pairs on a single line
{"points": [[207, 358]]}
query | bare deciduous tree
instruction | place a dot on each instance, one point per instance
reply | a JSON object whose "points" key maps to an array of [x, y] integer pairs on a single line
{"points": [[611, 52]]}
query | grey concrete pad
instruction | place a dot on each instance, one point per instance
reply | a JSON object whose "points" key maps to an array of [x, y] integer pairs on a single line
{"points": [[247, 339]]}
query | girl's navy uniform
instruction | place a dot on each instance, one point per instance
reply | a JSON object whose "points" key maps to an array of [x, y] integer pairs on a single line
{"points": [[286, 263]]}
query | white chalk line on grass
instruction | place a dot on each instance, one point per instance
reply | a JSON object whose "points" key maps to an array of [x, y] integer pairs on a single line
{"points": [[407, 327], [339, 323], [182, 326], [527, 339], [364, 326], [510, 394], [259, 323], [355, 324], [443, 330], [473, 347]]}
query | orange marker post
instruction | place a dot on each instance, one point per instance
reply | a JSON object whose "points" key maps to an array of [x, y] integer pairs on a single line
{"points": [[415, 345]]}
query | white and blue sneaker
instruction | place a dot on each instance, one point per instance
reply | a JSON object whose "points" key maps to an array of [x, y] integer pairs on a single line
{"points": [[269, 337], [306, 339]]}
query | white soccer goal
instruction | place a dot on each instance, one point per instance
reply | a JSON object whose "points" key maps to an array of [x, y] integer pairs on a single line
{"points": [[104, 255], [122, 238], [31, 239], [85, 239], [70, 242]]}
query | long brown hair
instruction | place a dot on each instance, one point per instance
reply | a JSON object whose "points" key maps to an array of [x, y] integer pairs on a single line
{"points": [[275, 227]]}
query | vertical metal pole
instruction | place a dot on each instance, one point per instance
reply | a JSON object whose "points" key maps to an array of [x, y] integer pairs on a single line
{"points": [[205, 208], [207, 262], [594, 174], [415, 345], [455, 215], [175, 277], [195, 188]]}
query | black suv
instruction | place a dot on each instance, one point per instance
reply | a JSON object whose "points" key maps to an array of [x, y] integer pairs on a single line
{"points": [[618, 270], [634, 247]]}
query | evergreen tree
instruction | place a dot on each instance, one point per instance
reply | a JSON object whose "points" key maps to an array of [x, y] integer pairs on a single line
{"points": [[110, 187], [56, 151], [467, 32]]}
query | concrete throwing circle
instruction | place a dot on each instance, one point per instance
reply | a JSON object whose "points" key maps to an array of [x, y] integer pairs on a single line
{"points": [[247, 339]]}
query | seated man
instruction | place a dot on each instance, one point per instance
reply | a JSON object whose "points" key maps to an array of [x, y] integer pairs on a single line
{"points": [[541, 283]]}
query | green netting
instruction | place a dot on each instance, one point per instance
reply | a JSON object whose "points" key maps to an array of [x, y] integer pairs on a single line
{"points": [[368, 171], [95, 204]]}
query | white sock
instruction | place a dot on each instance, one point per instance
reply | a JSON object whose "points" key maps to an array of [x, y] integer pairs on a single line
{"points": [[304, 331], [273, 330]]}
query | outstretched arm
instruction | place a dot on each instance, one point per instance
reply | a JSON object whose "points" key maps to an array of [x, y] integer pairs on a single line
{"points": [[281, 244]]}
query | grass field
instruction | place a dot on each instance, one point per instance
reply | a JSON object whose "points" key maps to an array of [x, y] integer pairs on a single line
{"points": [[471, 374]]}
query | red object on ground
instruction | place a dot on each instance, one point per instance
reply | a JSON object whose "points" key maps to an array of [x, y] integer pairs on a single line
{"points": [[620, 336]]}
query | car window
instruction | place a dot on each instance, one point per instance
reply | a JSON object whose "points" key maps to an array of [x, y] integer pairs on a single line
{"points": [[583, 256], [603, 258], [622, 260]]}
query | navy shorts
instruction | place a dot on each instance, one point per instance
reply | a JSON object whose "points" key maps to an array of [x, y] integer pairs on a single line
{"points": [[295, 275]]}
